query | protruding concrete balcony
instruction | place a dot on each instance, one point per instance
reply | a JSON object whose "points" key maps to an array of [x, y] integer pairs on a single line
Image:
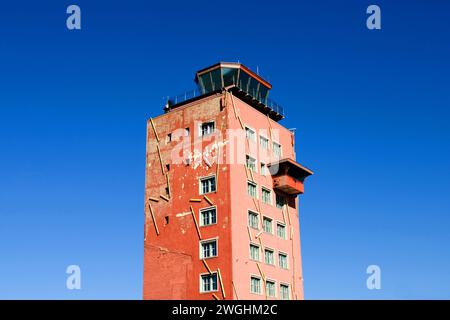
{"points": [[288, 176]]}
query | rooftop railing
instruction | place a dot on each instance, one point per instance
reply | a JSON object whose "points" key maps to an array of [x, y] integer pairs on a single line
{"points": [[191, 94]]}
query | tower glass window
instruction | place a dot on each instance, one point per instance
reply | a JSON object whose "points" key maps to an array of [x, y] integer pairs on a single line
{"points": [[207, 128], [250, 134], [209, 282], [270, 288], [251, 189], [284, 292], [207, 185], [253, 220], [250, 163], [208, 216], [208, 249], [267, 225], [263, 142], [266, 196], [254, 252], [276, 147], [282, 260], [255, 285], [280, 200], [268, 256], [281, 230]]}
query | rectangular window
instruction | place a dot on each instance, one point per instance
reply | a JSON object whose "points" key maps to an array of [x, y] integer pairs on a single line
{"points": [[266, 196], [186, 132], [270, 288], [251, 189], [208, 249], [263, 142], [207, 185], [267, 225], [263, 169], [280, 201], [268, 256], [208, 283], [208, 216], [284, 292], [254, 252], [276, 147], [250, 134], [250, 163], [255, 285], [253, 220], [281, 230], [282, 260], [207, 128]]}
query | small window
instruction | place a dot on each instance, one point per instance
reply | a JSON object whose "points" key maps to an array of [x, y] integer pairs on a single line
{"points": [[250, 134], [255, 285], [207, 128], [267, 225], [208, 216], [186, 132], [270, 288], [251, 189], [263, 142], [208, 283], [263, 169], [253, 220], [169, 138], [284, 292], [266, 196], [168, 167], [282, 260], [281, 230], [280, 200], [208, 249], [254, 252], [207, 185], [268, 256], [250, 163], [276, 149]]}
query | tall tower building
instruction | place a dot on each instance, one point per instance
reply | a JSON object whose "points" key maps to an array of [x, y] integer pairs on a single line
{"points": [[221, 207]]}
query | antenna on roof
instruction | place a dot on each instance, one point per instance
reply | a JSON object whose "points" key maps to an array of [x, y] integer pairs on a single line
{"points": [[257, 70]]}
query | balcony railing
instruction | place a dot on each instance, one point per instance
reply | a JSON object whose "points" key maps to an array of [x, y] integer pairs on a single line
{"points": [[191, 94]]}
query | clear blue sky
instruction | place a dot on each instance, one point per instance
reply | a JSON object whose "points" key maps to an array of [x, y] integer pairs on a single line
{"points": [[371, 109]]}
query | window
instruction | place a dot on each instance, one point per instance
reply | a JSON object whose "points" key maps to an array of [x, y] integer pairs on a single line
{"points": [[263, 169], [281, 230], [208, 216], [254, 252], [251, 189], [282, 260], [250, 134], [276, 149], [255, 285], [263, 142], [208, 282], [270, 288], [280, 201], [207, 185], [208, 249], [207, 128], [266, 196], [250, 163], [169, 138], [253, 220], [284, 292], [267, 225], [268, 256], [186, 132]]}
